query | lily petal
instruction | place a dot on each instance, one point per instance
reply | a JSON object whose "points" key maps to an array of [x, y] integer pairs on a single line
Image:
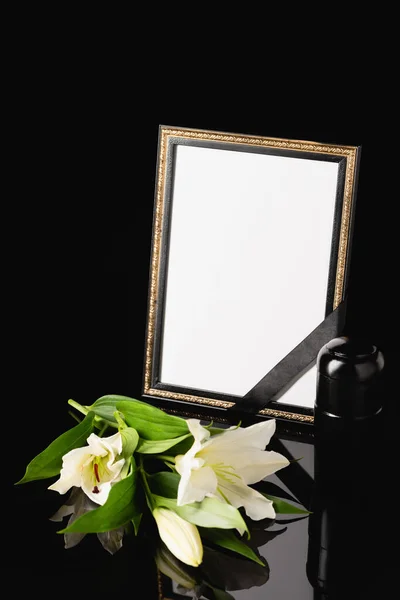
{"points": [[96, 445], [99, 497], [257, 507], [113, 443], [256, 436], [70, 474], [102, 446], [98, 491], [196, 485], [92, 468], [115, 468], [199, 432], [251, 465], [184, 463]]}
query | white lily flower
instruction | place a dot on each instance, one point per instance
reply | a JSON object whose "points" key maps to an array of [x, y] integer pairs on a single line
{"points": [[224, 465], [181, 537], [94, 468]]}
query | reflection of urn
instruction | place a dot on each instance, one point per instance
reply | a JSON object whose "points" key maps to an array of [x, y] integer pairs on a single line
{"points": [[345, 535]]}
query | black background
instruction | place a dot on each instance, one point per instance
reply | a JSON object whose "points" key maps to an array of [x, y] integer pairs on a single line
{"points": [[84, 151], [83, 237]]}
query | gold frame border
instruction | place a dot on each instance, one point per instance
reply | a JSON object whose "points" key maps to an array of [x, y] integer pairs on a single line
{"points": [[349, 152]]}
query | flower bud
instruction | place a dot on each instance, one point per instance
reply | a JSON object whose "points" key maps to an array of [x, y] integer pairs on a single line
{"points": [[181, 537]]}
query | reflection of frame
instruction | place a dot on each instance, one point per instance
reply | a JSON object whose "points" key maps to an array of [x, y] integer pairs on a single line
{"points": [[334, 170]]}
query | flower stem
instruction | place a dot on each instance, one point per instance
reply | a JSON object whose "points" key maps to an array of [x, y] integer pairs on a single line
{"points": [[103, 429], [170, 465], [99, 422], [146, 486], [170, 459], [120, 422], [74, 416], [78, 407]]}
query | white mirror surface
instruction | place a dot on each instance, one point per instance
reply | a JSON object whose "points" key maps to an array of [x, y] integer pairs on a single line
{"points": [[247, 272]]}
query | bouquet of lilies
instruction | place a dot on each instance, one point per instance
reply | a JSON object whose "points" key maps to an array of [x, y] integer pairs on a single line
{"points": [[126, 458]]}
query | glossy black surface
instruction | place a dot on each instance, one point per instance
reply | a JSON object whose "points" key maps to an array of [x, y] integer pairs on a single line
{"points": [[343, 548]]}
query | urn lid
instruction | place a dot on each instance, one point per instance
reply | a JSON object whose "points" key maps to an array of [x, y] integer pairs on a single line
{"points": [[345, 357]]}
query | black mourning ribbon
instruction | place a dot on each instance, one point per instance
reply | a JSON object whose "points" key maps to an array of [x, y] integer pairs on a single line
{"points": [[293, 365]]}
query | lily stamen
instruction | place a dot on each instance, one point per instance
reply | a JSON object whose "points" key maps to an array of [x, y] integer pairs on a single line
{"points": [[96, 471], [226, 472]]}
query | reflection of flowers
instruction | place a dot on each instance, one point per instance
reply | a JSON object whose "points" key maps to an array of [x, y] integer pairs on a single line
{"points": [[93, 468], [77, 505], [224, 465], [220, 571]]}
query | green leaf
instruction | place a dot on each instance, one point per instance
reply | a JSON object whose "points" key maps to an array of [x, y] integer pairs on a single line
{"points": [[285, 508], [150, 422], [164, 484], [140, 507], [228, 540], [49, 462], [105, 406], [119, 509], [184, 446], [136, 519], [212, 513], [216, 430], [159, 446], [130, 440], [208, 513]]}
